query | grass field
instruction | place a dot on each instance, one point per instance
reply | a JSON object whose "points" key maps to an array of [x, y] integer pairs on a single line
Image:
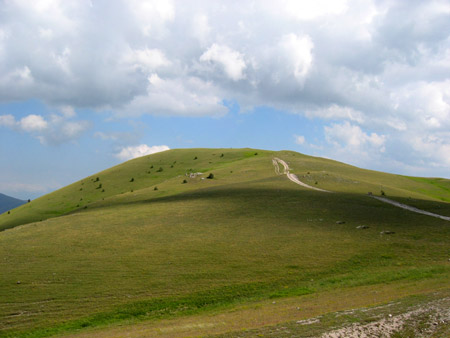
{"points": [[115, 251]]}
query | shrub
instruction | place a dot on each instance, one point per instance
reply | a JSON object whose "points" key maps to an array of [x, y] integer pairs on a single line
{"points": [[195, 157], [155, 188], [132, 179], [29, 200], [221, 155], [97, 179], [383, 193], [103, 190], [211, 176], [184, 181], [315, 182], [151, 167], [159, 170], [256, 154], [9, 212], [99, 186], [171, 166]]}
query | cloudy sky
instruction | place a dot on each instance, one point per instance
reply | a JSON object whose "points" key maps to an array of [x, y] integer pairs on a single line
{"points": [[86, 84]]}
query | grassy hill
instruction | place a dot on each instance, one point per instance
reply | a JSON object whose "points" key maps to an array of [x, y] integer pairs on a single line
{"points": [[135, 244]]}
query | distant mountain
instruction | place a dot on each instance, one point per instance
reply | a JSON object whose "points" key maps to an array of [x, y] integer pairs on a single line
{"points": [[8, 203]]}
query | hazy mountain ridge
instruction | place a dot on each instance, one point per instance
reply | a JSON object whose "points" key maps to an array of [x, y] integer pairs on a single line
{"points": [[8, 203]]}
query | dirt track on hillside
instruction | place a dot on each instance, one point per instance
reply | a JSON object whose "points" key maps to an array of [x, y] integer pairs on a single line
{"points": [[410, 208], [292, 177], [295, 179]]}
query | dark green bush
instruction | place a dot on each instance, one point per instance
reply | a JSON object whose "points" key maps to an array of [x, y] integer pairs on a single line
{"points": [[211, 176]]}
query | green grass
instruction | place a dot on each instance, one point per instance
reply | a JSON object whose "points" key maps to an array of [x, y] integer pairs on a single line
{"points": [[245, 235]]}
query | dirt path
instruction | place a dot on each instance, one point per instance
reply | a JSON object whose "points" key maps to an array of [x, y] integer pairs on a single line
{"points": [[410, 208], [292, 177], [276, 161]]}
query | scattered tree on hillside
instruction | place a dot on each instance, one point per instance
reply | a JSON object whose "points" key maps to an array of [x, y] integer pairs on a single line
{"points": [[159, 170], [256, 154], [132, 179], [29, 200], [156, 188], [184, 181], [99, 186], [221, 155], [210, 176], [97, 179], [195, 157]]}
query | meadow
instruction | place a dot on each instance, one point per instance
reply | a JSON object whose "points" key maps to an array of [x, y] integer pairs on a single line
{"points": [[135, 245]]}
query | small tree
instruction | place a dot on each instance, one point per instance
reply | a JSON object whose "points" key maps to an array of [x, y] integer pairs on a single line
{"points": [[159, 170], [256, 154], [155, 188], [210, 176], [151, 167], [221, 155], [132, 179], [184, 181], [97, 179], [29, 200], [195, 157]]}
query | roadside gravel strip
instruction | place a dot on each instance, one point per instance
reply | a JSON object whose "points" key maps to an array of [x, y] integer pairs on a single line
{"points": [[407, 207], [292, 177]]}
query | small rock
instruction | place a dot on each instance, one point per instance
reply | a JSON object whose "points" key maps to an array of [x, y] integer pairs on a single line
{"points": [[340, 222], [18, 282], [362, 227]]}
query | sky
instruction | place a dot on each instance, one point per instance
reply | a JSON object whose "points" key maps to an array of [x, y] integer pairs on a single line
{"points": [[85, 85]]}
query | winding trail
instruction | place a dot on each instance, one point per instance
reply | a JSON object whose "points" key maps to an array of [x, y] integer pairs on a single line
{"points": [[410, 208], [276, 161], [292, 177]]}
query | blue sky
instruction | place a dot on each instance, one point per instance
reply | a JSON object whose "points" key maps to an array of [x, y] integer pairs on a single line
{"points": [[85, 85]]}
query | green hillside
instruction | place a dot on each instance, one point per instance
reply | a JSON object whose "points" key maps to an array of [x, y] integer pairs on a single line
{"points": [[134, 244]]}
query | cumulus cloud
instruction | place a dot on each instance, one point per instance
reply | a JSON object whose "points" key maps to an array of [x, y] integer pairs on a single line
{"points": [[56, 129], [231, 61], [390, 75], [128, 153], [350, 143]]}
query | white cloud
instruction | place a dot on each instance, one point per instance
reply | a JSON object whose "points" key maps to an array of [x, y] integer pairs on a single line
{"points": [[57, 129], [232, 61], [146, 59], [128, 153], [299, 139], [7, 121], [390, 75], [309, 10], [193, 97], [352, 145], [337, 112], [33, 123], [298, 51]]}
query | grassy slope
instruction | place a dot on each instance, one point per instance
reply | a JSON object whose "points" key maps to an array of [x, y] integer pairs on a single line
{"points": [[247, 234]]}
